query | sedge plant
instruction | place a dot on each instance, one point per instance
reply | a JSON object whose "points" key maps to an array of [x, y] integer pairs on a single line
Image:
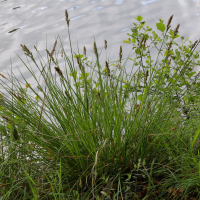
{"points": [[105, 133]]}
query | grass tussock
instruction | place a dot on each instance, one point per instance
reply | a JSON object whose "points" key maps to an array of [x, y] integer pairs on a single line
{"points": [[105, 133]]}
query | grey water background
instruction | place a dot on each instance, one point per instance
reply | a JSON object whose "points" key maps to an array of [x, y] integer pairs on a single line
{"points": [[38, 22]]}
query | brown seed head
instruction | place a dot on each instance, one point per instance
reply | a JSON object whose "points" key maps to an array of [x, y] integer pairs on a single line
{"points": [[3, 76], [84, 50], [169, 22], [120, 54], [27, 52], [66, 15], [35, 48], [95, 48], [59, 71], [194, 44], [66, 18], [51, 57], [107, 67], [79, 63], [105, 42], [176, 30], [170, 44], [54, 47], [99, 96]]}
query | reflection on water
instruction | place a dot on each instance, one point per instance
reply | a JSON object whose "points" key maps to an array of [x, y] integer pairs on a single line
{"points": [[98, 8], [118, 2], [80, 16], [39, 9], [147, 2], [75, 7]]}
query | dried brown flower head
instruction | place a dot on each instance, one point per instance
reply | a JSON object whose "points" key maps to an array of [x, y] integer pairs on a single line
{"points": [[105, 42], [169, 22], [95, 48], [99, 96], [108, 70], [66, 17], [120, 54], [194, 44], [176, 30], [27, 52], [59, 71], [54, 47], [3, 76], [84, 50], [51, 56]]}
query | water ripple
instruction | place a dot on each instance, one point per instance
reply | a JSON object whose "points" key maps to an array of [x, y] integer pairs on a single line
{"points": [[118, 2], [147, 2], [125, 29], [80, 16], [75, 7], [98, 8], [39, 9]]}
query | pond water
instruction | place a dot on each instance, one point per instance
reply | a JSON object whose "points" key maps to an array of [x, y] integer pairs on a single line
{"points": [[32, 22]]}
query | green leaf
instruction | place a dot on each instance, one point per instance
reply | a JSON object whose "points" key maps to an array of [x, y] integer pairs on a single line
{"points": [[197, 132], [126, 41], [154, 35], [74, 73], [97, 84], [133, 40], [134, 31], [141, 25], [15, 133], [86, 75], [190, 74], [139, 97], [78, 56], [124, 86], [139, 18], [3, 129], [160, 27]]}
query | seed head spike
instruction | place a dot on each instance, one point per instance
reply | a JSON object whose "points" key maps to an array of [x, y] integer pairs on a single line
{"points": [[95, 48], [169, 22], [59, 71], [107, 67], [120, 54], [105, 42], [84, 50], [66, 15], [66, 18], [176, 30]]}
